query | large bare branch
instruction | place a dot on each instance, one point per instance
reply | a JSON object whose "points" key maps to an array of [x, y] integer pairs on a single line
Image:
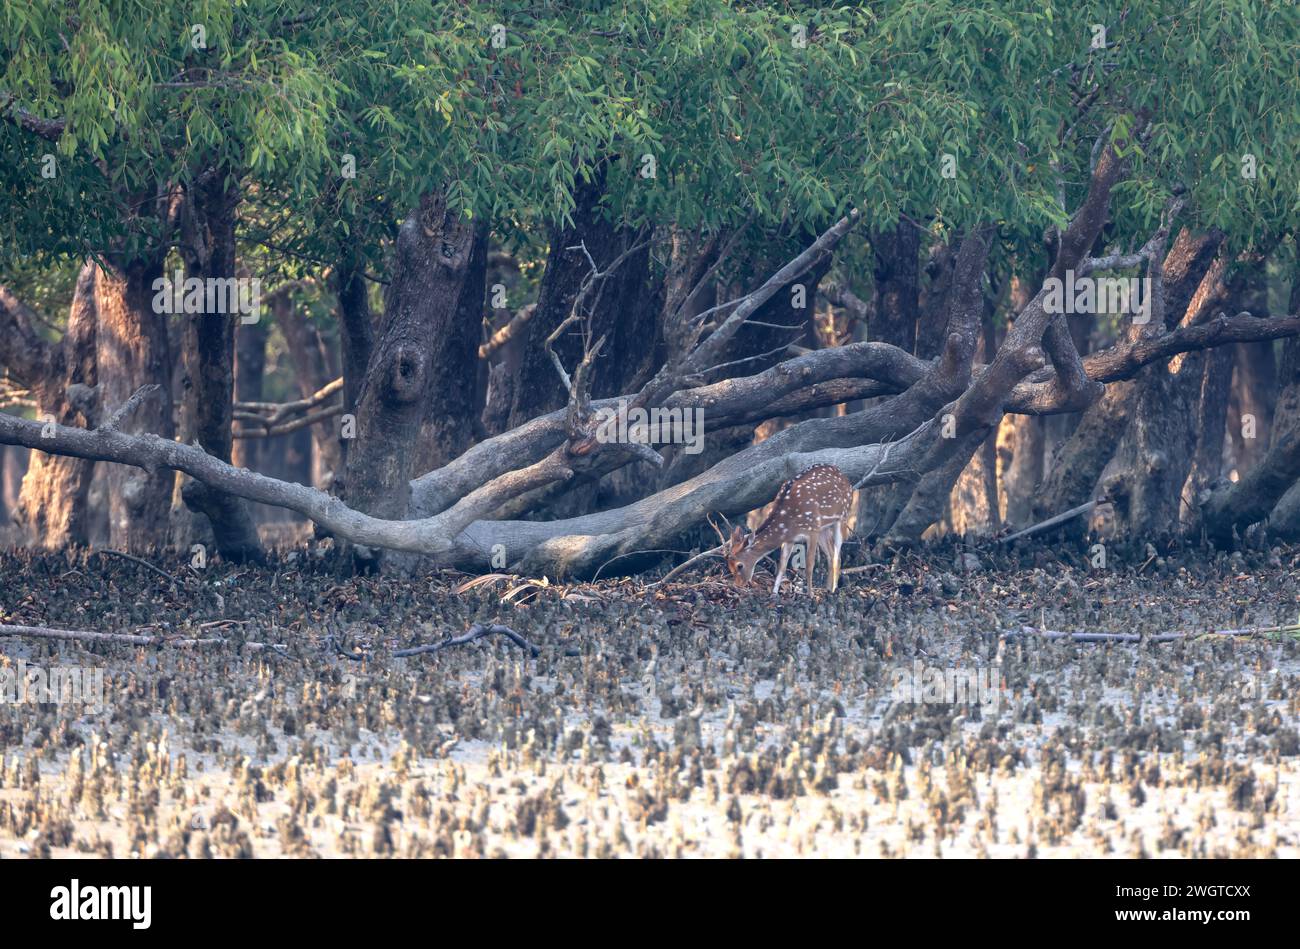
{"points": [[48, 129]]}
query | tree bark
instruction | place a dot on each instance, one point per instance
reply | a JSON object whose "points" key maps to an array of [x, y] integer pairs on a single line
{"points": [[52, 503], [932, 307], [617, 310], [1022, 440], [973, 501], [914, 317], [902, 515], [1078, 464], [925, 505], [208, 232], [1020, 467], [1211, 421], [897, 274], [356, 332], [453, 414], [11, 485], [131, 352], [1269, 488], [1166, 409], [1254, 393], [434, 249]]}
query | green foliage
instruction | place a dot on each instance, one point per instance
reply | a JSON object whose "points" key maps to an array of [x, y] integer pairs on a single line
{"points": [[739, 117]]}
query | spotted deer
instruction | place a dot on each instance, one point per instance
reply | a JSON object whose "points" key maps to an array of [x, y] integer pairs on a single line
{"points": [[808, 510]]}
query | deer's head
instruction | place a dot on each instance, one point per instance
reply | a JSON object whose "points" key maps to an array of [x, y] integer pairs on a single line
{"points": [[741, 556]]}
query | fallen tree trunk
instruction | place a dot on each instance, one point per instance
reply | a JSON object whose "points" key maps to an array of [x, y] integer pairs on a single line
{"points": [[459, 536], [127, 639], [1170, 637], [450, 532]]}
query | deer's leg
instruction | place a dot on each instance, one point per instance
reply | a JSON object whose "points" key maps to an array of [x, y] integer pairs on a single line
{"points": [[837, 542], [780, 572], [825, 545], [810, 557]]}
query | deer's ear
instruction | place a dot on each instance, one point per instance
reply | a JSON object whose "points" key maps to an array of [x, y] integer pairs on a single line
{"points": [[737, 537]]}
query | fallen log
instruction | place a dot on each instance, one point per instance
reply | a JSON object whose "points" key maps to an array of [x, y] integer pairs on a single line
{"points": [[1050, 522], [129, 639], [1166, 637], [477, 631]]}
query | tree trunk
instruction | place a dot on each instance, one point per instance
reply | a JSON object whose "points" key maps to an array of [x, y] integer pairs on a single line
{"points": [[768, 330], [538, 388], [11, 485], [1250, 411], [620, 309], [356, 339], [52, 503], [1269, 489], [973, 501], [1020, 467], [914, 321], [435, 246], [209, 250], [1164, 439], [897, 262], [1164, 425], [880, 511], [1284, 520], [1079, 462], [1211, 421], [453, 409], [925, 505], [131, 352], [932, 307]]}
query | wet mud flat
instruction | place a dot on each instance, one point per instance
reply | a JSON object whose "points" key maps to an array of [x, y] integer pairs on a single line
{"points": [[910, 715]]}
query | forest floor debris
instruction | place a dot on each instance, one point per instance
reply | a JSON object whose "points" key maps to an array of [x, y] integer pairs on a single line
{"points": [[685, 719]]}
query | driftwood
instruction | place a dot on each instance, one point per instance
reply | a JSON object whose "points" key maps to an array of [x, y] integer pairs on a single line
{"points": [[681, 567], [128, 639], [1166, 637], [477, 631], [144, 563], [1050, 522]]}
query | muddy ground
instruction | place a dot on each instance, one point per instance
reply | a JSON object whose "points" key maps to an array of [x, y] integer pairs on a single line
{"points": [[687, 720]]}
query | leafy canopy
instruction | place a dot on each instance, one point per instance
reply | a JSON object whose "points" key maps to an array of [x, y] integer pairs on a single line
{"points": [[787, 112]]}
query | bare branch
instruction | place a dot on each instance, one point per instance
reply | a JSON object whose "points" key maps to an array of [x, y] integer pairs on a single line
{"points": [[48, 129], [130, 406], [1050, 522], [477, 631], [507, 332]]}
